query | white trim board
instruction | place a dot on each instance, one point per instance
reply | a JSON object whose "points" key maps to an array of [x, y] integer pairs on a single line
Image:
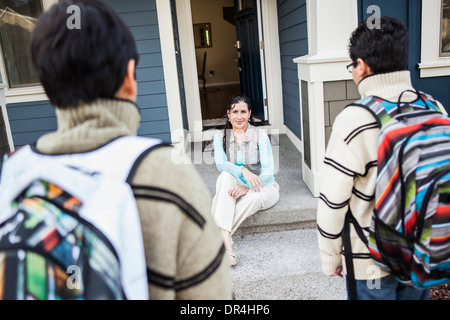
{"points": [[432, 64]]}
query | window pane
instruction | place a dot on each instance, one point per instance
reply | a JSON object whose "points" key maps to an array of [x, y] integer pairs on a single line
{"points": [[445, 45], [17, 19]]}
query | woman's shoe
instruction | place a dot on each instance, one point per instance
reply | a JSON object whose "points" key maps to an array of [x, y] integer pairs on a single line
{"points": [[231, 257]]}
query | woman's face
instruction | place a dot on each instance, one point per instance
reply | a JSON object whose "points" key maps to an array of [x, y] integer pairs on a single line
{"points": [[239, 115]]}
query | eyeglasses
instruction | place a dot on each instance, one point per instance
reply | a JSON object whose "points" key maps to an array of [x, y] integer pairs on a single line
{"points": [[351, 66]]}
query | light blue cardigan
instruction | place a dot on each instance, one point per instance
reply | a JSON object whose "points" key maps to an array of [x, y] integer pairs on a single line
{"points": [[266, 162]]}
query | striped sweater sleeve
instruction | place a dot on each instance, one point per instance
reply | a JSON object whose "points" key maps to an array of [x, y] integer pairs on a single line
{"points": [[347, 160]]}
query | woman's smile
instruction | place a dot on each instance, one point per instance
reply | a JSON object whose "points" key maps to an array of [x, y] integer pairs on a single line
{"points": [[239, 115]]}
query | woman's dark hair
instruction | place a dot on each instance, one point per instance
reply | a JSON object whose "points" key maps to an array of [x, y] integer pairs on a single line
{"points": [[81, 65], [232, 100], [384, 49]]}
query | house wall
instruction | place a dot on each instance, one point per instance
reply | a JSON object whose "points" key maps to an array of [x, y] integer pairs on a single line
{"points": [[293, 34], [30, 120], [141, 17], [410, 13], [323, 76], [337, 95]]}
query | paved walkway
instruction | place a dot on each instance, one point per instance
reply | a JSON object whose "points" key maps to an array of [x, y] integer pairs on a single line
{"points": [[282, 266]]}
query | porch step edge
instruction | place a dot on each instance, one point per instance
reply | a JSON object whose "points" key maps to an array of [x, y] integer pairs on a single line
{"points": [[278, 221]]}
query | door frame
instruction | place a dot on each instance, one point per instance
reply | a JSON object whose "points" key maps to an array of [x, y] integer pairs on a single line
{"points": [[261, 54], [270, 59], [252, 51]]}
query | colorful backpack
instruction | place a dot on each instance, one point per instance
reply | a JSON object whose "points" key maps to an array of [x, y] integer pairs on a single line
{"points": [[69, 225], [410, 231]]}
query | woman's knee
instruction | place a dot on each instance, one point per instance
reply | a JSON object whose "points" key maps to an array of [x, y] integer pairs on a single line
{"points": [[226, 176], [271, 195], [225, 179]]}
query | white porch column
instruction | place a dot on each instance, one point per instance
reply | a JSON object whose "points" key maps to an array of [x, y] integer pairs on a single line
{"points": [[168, 55], [9, 139], [330, 24]]}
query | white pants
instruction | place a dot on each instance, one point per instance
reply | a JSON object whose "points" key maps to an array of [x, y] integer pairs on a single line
{"points": [[230, 212]]}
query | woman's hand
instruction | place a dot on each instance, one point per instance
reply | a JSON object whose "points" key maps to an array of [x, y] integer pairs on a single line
{"points": [[252, 179], [238, 191]]}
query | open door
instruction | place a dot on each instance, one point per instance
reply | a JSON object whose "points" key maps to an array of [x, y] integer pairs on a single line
{"points": [[176, 37], [249, 54]]}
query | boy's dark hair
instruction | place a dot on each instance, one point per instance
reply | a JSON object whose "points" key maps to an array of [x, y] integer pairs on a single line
{"points": [[81, 65], [384, 49]]}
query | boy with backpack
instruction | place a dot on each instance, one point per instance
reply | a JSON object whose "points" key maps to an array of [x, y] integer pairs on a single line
{"points": [[80, 236], [351, 166]]}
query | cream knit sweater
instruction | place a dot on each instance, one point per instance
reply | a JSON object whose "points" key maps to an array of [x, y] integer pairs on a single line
{"points": [[185, 256], [349, 175]]}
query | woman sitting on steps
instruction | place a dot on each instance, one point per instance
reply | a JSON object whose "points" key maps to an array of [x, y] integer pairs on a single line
{"points": [[243, 154]]}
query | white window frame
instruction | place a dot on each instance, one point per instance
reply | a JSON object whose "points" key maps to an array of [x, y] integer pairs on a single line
{"points": [[441, 39], [432, 63], [29, 93]]}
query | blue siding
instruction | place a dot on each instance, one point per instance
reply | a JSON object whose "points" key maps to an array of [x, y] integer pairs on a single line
{"points": [[31, 120], [410, 13], [141, 17], [293, 35], [389, 8]]}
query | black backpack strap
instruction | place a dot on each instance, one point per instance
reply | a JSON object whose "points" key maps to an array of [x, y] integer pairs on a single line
{"points": [[2, 158], [433, 101], [348, 254], [142, 156], [366, 106], [419, 97], [130, 178], [351, 281]]}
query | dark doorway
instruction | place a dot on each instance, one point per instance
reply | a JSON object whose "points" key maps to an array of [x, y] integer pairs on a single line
{"points": [[233, 58], [249, 57]]}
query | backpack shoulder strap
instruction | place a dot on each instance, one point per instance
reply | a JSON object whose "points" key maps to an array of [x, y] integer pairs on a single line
{"points": [[117, 158], [139, 159], [348, 254], [432, 103], [373, 105], [385, 111]]}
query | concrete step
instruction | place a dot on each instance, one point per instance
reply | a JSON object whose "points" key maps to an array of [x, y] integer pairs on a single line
{"points": [[296, 208], [282, 266]]}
